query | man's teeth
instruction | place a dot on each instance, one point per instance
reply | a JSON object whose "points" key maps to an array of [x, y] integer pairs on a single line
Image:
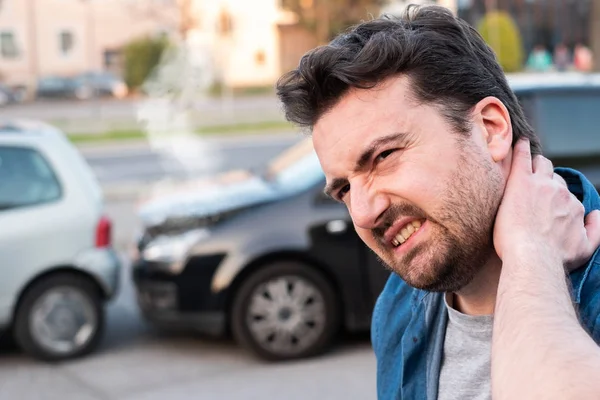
{"points": [[406, 233]]}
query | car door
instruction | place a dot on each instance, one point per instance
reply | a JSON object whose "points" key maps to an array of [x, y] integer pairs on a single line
{"points": [[30, 195]]}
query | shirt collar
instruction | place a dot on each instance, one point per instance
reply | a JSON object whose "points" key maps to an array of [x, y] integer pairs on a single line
{"points": [[583, 189]]}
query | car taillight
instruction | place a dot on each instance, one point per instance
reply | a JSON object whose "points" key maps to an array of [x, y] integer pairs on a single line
{"points": [[103, 232]]}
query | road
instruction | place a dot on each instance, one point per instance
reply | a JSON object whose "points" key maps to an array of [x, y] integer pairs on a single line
{"points": [[101, 115], [127, 108], [196, 157], [137, 363]]}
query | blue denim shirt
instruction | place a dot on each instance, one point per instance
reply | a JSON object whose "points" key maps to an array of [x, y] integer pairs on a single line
{"points": [[409, 325]]}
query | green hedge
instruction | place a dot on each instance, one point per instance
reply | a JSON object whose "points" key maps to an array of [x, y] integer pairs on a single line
{"points": [[141, 56], [500, 32]]}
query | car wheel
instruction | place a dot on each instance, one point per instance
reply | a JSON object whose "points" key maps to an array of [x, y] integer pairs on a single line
{"points": [[286, 310], [59, 318]]}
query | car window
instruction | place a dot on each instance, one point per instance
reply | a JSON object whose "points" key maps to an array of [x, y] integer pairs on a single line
{"points": [[26, 178], [569, 122]]}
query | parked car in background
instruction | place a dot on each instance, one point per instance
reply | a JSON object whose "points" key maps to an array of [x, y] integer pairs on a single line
{"points": [[84, 86], [102, 84], [57, 87], [58, 266], [267, 257], [9, 95]]}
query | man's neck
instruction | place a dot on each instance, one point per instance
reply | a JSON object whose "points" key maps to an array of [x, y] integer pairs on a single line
{"points": [[479, 296]]}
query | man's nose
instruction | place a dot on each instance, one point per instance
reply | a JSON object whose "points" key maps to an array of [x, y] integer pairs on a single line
{"points": [[366, 205]]}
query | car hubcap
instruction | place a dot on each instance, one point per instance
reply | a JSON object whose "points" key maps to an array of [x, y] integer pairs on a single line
{"points": [[63, 320], [286, 315]]}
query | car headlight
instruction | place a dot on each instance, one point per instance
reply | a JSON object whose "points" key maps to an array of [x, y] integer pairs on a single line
{"points": [[173, 248]]}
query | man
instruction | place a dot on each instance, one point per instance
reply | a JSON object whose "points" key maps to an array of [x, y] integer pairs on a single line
{"points": [[421, 138]]}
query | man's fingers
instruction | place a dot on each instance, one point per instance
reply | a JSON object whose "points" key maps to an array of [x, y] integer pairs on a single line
{"points": [[592, 226], [542, 166], [522, 157]]}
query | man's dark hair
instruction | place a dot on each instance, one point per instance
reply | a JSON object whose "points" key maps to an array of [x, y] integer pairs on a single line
{"points": [[447, 61]]}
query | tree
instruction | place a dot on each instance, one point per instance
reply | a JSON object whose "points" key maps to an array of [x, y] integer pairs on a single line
{"points": [[141, 58], [501, 33], [326, 18], [595, 33]]}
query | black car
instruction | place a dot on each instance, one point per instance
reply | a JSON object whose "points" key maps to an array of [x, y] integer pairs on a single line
{"points": [[264, 255], [267, 257]]}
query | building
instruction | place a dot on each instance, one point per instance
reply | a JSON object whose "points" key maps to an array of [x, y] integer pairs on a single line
{"points": [[396, 7], [254, 42], [63, 37], [251, 43]]}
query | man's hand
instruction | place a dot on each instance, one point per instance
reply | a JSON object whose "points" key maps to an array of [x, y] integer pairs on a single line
{"points": [[538, 213], [539, 232]]}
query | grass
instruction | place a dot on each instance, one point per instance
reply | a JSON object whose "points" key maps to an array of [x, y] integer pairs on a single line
{"points": [[241, 128]]}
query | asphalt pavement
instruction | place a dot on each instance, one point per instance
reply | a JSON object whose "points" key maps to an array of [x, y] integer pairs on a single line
{"points": [[196, 156], [59, 109], [135, 362], [99, 115]]}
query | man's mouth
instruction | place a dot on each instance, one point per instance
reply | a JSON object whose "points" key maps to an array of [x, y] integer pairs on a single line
{"points": [[406, 232]]}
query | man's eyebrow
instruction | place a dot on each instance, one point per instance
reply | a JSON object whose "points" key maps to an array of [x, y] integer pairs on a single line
{"points": [[364, 159], [367, 154]]}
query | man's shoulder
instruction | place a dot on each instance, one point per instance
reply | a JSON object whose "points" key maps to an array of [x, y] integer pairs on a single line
{"points": [[392, 312]]}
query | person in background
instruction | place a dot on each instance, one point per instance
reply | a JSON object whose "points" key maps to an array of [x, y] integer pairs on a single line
{"points": [[539, 59], [583, 59], [562, 58]]}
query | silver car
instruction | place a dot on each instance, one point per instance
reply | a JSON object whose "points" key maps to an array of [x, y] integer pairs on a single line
{"points": [[58, 267]]}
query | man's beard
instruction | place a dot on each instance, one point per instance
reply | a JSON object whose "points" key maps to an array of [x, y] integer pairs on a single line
{"points": [[460, 237]]}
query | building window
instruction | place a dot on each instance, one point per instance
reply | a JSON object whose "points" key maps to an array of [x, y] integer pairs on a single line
{"points": [[8, 45], [66, 42]]}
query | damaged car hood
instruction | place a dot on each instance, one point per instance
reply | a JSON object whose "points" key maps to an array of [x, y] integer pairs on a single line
{"points": [[228, 191]]}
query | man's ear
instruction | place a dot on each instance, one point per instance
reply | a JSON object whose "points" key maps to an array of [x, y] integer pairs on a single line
{"points": [[496, 127]]}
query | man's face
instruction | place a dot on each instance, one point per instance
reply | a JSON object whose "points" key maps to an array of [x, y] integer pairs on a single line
{"points": [[420, 195]]}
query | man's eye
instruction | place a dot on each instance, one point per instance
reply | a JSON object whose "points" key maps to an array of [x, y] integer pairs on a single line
{"points": [[384, 154], [343, 191]]}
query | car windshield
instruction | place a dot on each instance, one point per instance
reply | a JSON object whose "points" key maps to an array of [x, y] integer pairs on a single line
{"points": [[296, 168]]}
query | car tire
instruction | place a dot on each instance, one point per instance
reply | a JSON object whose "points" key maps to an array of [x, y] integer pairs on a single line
{"points": [[88, 295], [321, 305]]}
